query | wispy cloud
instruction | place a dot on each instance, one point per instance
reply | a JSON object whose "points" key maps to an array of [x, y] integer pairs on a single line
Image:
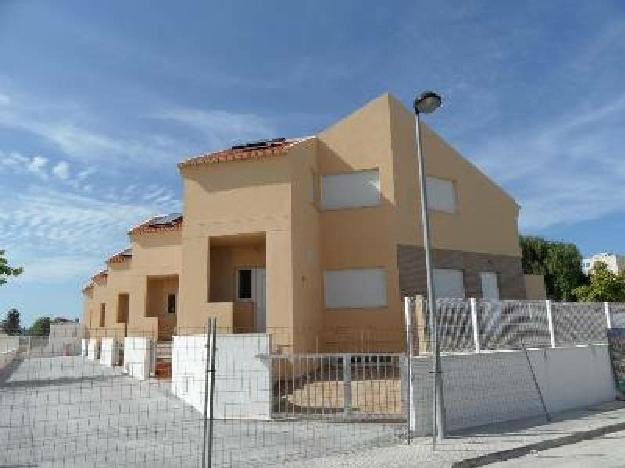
{"points": [[70, 229], [61, 170], [563, 171], [219, 128]]}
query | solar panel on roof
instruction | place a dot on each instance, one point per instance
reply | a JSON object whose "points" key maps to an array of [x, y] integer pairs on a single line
{"points": [[164, 220]]}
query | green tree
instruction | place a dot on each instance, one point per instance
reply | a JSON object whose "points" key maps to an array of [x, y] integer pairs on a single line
{"points": [[604, 286], [11, 323], [41, 327], [559, 262], [7, 270]]}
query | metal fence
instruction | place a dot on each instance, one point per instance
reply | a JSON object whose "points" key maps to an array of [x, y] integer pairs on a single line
{"points": [[135, 402], [345, 387], [479, 324]]}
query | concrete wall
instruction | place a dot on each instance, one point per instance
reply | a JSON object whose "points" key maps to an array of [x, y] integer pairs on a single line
{"points": [[8, 350], [243, 377], [139, 358], [109, 352], [497, 386], [93, 349], [535, 287]]}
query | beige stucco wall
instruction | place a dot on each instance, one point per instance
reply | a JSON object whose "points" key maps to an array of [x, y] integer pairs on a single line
{"points": [[535, 287], [361, 237], [228, 200], [274, 199], [486, 216], [306, 245], [153, 255]]}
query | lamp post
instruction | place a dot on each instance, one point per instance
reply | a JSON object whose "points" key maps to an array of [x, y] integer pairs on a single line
{"points": [[426, 103]]}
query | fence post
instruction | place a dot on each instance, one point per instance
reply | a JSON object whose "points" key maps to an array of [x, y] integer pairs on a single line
{"points": [[608, 315], [409, 307], [209, 395], [347, 385], [552, 334], [475, 325]]}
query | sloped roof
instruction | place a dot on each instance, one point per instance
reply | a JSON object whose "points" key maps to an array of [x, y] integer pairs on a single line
{"points": [[255, 150], [103, 274], [121, 256], [168, 222]]}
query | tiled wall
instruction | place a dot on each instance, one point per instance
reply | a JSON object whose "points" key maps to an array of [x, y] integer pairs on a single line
{"points": [[411, 264]]}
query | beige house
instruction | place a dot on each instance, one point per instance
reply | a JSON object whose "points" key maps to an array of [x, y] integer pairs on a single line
{"points": [[313, 237]]}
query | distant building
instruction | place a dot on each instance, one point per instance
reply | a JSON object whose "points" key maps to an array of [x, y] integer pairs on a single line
{"points": [[615, 263]]}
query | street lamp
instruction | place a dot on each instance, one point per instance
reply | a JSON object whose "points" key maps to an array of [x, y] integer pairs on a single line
{"points": [[426, 103]]}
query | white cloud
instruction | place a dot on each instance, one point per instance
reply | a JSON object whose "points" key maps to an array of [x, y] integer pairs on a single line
{"points": [[564, 171], [61, 170], [37, 165], [63, 234], [76, 139], [218, 127]]}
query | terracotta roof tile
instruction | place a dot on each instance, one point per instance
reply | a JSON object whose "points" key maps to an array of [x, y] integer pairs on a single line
{"points": [[257, 150], [121, 256], [103, 274], [161, 223]]}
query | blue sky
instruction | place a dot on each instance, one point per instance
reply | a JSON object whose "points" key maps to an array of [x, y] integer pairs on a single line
{"points": [[99, 100]]}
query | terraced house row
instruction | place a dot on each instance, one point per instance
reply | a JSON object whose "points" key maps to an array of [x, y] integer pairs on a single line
{"points": [[305, 237]]}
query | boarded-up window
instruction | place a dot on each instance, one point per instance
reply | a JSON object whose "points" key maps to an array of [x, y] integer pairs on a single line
{"points": [[350, 190], [171, 303], [448, 282], [244, 284], [490, 289], [102, 315], [441, 195], [355, 288]]}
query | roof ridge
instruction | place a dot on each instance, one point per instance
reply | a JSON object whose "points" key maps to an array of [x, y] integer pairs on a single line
{"points": [[255, 150]]}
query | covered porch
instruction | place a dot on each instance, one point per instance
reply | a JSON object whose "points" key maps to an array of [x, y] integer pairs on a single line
{"points": [[237, 280], [162, 304]]}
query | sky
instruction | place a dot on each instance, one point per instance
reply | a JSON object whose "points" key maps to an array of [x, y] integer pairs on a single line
{"points": [[100, 100]]}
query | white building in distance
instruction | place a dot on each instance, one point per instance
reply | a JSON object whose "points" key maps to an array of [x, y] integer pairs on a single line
{"points": [[615, 263]]}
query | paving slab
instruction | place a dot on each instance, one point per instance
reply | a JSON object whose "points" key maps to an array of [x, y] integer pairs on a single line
{"points": [[488, 444]]}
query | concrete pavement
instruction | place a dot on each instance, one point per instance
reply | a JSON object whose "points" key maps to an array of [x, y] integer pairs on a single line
{"points": [[607, 451], [67, 411], [488, 444]]}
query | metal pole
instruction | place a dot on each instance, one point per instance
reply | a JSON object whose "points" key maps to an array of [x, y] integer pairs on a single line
{"points": [[438, 420], [208, 334], [213, 343], [409, 304]]}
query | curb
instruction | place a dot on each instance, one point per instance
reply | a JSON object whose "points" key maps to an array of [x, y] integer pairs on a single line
{"points": [[518, 452]]}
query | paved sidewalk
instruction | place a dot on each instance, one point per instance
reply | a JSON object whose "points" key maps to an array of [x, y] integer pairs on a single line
{"points": [[488, 444], [607, 451]]}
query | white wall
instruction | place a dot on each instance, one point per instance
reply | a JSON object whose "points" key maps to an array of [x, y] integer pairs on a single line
{"points": [[497, 386], [243, 377], [93, 349], [8, 350], [84, 347], [109, 352], [138, 357]]}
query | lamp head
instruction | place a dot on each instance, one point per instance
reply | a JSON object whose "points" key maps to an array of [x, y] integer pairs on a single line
{"points": [[427, 102]]}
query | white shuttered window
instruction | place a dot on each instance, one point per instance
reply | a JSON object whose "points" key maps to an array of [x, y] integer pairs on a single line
{"points": [[490, 288], [350, 190], [441, 195], [363, 287], [448, 283]]}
